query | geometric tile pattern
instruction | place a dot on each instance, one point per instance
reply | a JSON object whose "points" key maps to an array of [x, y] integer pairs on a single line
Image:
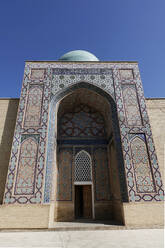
{"points": [[64, 179], [33, 111], [143, 175], [26, 169], [83, 122], [126, 74], [67, 78], [81, 71], [37, 74], [131, 106], [102, 186], [83, 166]]}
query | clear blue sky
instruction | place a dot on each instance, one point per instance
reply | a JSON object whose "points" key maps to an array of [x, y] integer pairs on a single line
{"points": [[111, 29]]}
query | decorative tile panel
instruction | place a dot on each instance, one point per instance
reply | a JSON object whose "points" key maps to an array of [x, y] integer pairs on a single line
{"points": [[34, 105], [131, 105], [82, 71], [126, 74], [69, 77], [37, 74], [10, 196], [64, 187], [83, 122], [102, 186], [27, 167], [125, 130], [143, 175]]}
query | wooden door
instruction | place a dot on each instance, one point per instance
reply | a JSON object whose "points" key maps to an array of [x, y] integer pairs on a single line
{"points": [[87, 202], [78, 201], [83, 201]]}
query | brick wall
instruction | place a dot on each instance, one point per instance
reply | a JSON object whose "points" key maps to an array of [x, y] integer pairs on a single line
{"points": [[8, 113], [156, 112]]}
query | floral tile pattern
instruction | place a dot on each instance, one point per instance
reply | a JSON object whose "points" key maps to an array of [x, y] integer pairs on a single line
{"points": [[143, 176], [26, 170], [34, 104], [132, 111]]}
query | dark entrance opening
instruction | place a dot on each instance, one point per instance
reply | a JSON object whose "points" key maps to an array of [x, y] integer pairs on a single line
{"points": [[83, 201]]}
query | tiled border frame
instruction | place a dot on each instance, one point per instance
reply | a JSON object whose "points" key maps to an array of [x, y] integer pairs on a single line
{"points": [[43, 174], [20, 130], [125, 130]]}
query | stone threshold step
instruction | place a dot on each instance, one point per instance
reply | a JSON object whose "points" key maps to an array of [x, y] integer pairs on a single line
{"points": [[81, 228]]}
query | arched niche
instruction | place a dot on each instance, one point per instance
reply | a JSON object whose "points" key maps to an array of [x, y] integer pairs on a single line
{"points": [[110, 146]]}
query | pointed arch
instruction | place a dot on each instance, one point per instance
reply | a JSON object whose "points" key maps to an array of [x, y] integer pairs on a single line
{"points": [[85, 85], [52, 134]]}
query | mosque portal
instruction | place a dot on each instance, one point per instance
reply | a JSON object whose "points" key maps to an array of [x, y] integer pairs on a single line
{"points": [[82, 147]]}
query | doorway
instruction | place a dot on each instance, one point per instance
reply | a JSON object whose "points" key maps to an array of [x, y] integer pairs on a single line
{"points": [[83, 201]]}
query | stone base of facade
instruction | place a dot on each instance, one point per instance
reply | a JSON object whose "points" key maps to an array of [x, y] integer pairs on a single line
{"points": [[24, 216], [144, 214], [134, 215], [103, 211], [65, 211]]}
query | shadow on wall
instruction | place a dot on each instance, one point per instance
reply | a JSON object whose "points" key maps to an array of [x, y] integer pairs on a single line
{"points": [[8, 109]]}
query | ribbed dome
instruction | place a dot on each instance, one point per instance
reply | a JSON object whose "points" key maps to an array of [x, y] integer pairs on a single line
{"points": [[78, 55]]}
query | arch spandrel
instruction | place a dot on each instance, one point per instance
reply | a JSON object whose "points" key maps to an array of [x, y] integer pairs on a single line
{"points": [[76, 77]]}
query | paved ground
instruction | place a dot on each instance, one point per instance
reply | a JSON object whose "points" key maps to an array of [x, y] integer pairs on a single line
{"points": [[142, 238]]}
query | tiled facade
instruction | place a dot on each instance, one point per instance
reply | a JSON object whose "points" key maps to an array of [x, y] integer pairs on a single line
{"points": [[29, 177]]}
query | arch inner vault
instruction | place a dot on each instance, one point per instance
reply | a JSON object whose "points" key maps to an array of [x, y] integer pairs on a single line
{"points": [[87, 183]]}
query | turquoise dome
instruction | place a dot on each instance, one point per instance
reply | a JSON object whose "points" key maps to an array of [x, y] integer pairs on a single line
{"points": [[78, 55]]}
